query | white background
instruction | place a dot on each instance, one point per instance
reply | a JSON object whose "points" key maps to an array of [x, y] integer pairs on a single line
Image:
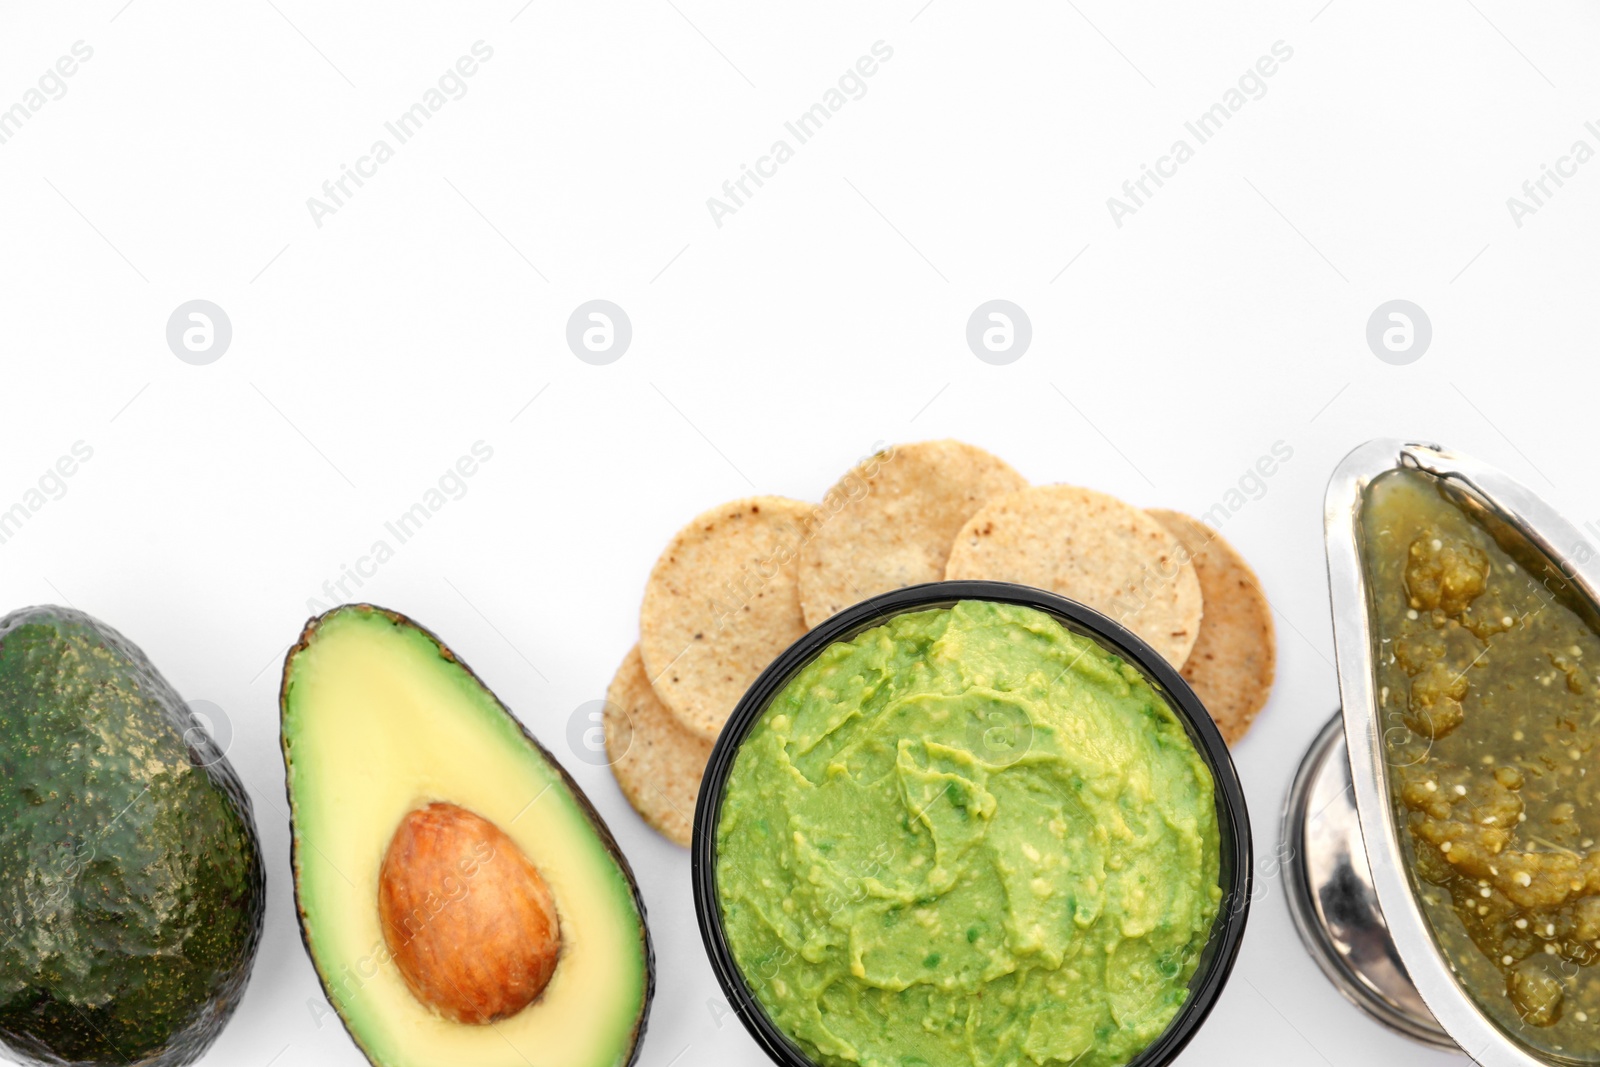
{"points": [[826, 315]]}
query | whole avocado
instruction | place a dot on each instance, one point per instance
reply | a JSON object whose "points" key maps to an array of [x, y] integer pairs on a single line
{"points": [[131, 883]]}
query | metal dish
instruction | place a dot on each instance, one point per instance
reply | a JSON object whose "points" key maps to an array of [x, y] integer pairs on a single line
{"points": [[1331, 899], [1554, 549]]}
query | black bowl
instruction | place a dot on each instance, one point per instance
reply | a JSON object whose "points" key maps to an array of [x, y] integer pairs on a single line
{"points": [[1233, 819]]}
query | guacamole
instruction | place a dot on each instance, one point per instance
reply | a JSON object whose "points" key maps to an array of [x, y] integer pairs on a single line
{"points": [[969, 836], [1485, 665]]}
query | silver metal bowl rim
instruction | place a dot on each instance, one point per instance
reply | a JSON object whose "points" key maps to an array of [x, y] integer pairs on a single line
{"points": [[1302, 910], [1477, 1034]]}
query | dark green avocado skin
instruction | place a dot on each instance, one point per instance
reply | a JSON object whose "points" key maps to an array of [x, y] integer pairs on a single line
{"points": [[131, 883]]}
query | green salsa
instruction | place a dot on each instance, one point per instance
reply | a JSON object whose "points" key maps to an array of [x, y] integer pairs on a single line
{"points": [[1484, 666], [969, 836]]}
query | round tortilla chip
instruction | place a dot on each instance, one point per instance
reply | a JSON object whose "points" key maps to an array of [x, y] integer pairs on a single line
{"points": [[1235, 656], [890, 521], [1091, 548], [721, 603], [655, 760]]}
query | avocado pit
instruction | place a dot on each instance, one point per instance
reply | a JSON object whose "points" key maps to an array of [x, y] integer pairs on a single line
{"points": [[467, 917]]}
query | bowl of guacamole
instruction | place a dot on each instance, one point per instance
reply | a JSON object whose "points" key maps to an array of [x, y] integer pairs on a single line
{"points": [[971, 823]]}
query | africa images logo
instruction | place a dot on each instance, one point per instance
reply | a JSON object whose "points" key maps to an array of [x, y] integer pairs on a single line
{"points": [[51, 85], [809, 123], [1251, 85], [451, 85]]}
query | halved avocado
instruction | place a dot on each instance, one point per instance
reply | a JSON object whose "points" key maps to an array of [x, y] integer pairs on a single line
{"points": [[392, 745]]}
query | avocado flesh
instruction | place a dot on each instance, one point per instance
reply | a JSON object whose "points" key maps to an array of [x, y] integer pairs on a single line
{"points": [[380, 719], [131, 884]]}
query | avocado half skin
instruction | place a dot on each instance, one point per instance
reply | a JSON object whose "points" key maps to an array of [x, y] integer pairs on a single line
{"points": [[87, 988], [596, 823]]}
